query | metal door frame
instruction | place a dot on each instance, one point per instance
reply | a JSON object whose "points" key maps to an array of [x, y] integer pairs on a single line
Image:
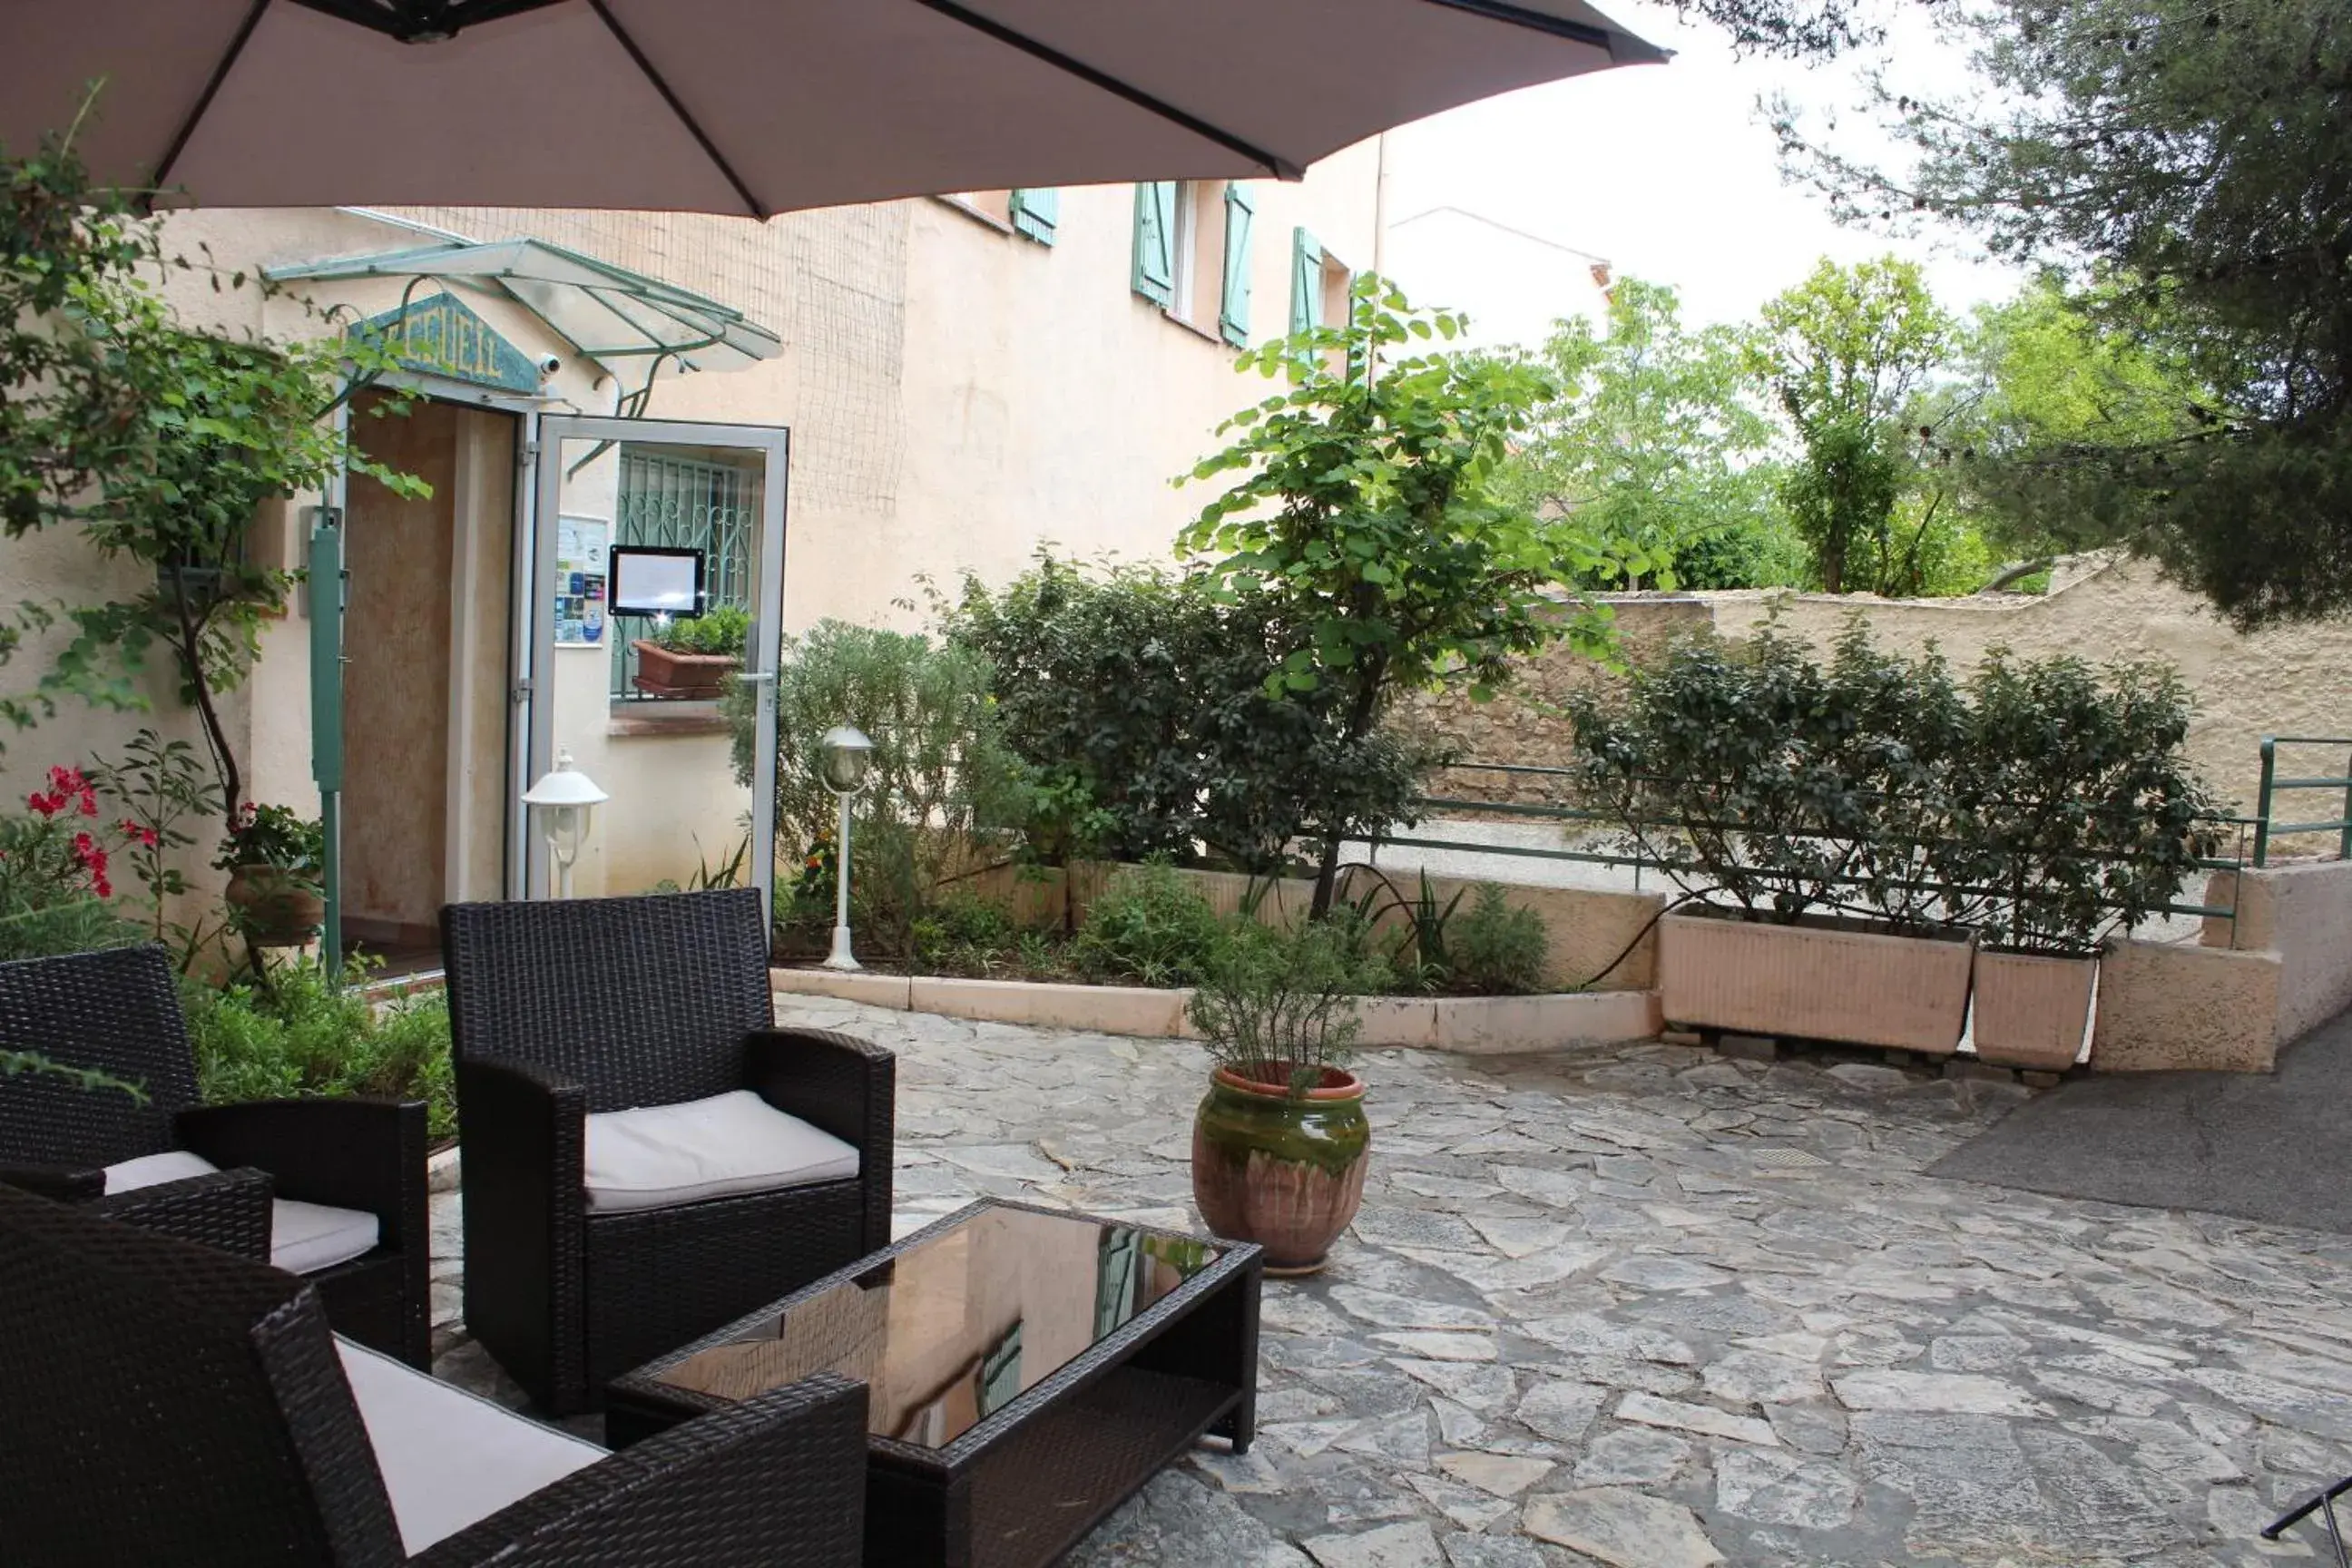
{"points": [[535, 618]]}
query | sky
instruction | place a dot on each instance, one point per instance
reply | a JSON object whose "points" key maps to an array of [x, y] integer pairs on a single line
{"points": [[1667, 173]]}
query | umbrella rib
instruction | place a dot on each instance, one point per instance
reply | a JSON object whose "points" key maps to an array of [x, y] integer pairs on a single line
{"points": [[1537, 21], [1275, 164], [693, 127], [220, 69]]}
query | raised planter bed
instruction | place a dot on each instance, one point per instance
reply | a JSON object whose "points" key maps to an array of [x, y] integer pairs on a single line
{"points": [[1816, 981], [1469, 1025]]}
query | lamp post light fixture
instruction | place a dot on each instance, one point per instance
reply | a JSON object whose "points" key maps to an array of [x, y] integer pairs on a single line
{"points": [[843, 755], [564, 799]]}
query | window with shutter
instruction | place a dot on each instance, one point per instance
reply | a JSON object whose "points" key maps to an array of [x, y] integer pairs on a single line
{"points": [[1306, 281], [1034, 214], [1234, 312], [1155, 241]]}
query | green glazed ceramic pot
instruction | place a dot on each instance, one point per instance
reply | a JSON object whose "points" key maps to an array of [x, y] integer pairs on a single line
{"points": [[1286, 1172]]}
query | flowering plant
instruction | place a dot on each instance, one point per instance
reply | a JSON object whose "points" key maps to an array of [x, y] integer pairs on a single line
{"points": [[54, 870], [52, 847], [273, 836]]}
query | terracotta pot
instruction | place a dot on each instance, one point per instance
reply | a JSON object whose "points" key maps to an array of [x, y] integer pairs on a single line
{"points": [[2032, 1008], [1822, 980], [667, 674], [279, 908], [1287, 1173]]}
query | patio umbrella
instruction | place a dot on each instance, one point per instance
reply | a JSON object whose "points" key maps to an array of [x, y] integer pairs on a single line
{"points": [[749, 106]]}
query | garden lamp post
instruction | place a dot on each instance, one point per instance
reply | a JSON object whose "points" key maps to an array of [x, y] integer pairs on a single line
{"points": [[564, 799], [842, 757]]}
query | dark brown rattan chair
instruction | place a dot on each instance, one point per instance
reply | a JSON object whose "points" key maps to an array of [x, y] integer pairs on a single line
{"points": [[561, 1010], [173, 1404], [120, 1012]]}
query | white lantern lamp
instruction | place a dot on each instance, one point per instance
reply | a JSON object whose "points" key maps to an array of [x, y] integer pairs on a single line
{"points": [[564, 799], [844, 757]]}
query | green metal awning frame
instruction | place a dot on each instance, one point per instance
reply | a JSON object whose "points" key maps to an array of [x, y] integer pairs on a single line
{"points": [[606, 313]]}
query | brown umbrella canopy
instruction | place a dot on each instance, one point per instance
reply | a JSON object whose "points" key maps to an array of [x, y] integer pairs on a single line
{"points": [[749, 106]]}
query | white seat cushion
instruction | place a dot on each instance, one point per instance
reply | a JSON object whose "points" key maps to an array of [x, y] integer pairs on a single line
{"points": [[450, 1459], [303, 1238], [664, 1154]]}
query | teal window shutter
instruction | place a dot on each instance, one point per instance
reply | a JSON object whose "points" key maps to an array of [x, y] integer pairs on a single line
{"points": [[1306, 281], [1155, 242], [1034, 214], [1234, 312]]}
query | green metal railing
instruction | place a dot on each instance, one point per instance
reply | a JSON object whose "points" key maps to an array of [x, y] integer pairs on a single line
{"points": [[2240, 826], [2265, 829]]}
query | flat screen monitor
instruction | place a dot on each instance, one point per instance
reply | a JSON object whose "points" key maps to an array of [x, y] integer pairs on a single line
{"points": [[656, 580]]}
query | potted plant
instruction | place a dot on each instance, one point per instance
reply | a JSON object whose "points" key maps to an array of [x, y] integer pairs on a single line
{"points": [[2076, 814], [693, 657], [1280, 1139], [275, 858], [1799, 804]]}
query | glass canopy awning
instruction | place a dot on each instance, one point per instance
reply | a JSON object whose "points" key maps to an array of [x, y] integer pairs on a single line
{"points": [[605, 312]]}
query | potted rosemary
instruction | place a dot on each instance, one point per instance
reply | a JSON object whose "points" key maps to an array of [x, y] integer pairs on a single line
{"points": [[1280, 1139]]}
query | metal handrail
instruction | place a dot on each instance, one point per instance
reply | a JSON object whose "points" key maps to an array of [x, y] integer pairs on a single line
{"points": [[2266, 828], [1640, 861]]}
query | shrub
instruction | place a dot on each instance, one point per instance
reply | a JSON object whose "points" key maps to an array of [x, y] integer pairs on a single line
{"points": [[1280, 1006], [1496, 948], [301, 1036], [964, 934], [2042, 804], [1788, 787], [1152, 714], [2075, 807], [1149, 927], [940, 774]]}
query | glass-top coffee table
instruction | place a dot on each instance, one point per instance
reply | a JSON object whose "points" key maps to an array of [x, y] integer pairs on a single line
{"points": [[1027, 1370]]}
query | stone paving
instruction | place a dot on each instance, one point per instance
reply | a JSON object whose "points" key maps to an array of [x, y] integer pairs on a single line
{"points": [[1650, 1307]]}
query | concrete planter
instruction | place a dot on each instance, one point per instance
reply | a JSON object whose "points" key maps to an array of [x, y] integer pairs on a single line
{"points": [[2031, 1009], [1477, 1026], [1818, 981]]}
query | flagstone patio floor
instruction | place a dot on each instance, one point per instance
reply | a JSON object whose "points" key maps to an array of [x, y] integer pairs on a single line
{"points": [[1650, 1307]]}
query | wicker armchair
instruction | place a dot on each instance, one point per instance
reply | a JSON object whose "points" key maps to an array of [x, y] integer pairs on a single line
{"points": [[173, 1404], [356, 1164], [565, 1013]]}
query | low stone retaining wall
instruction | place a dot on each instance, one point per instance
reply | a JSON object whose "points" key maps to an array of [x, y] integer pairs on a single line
{"points": [[1476, 1025]]}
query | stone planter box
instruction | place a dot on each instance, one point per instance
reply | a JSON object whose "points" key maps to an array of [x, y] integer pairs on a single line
{"points": [[2031, 1009], [1478, 1025], [1816, 982]]}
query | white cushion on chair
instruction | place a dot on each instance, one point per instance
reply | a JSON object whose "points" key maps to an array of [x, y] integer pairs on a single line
{"points": [[155, 1170], [450, 1459], [659, 1156], [303, 1238]]}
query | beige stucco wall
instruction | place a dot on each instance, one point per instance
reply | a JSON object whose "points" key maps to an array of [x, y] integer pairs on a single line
{"points": [[956, 395], [2289, 680], [2302, 913]]}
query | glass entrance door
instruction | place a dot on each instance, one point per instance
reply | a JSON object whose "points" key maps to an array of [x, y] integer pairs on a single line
{"points": [[654, 609]]}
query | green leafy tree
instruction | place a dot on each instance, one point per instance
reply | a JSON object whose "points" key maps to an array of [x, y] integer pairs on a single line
{"points": [[1846, 352], [2182, 161], [2056, 372], [1654, 442], [158, 442], [1365, 504]]}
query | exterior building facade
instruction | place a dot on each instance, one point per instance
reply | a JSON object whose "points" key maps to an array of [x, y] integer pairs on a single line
{"points": [[943, 386]]}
